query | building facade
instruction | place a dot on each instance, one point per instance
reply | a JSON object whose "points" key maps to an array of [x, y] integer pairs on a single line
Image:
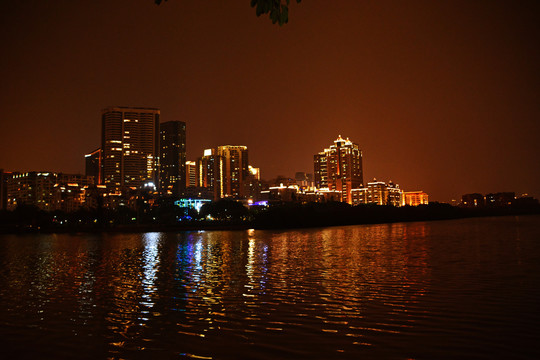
{"points": [[210, 173], [339, 168], [130, 145], [500, 199], [415, 198], [4, 178], [191, 174], [236, 169], [48, 191], [320, 170], [93, 166], [173, 158], [378, 193], [472, 200], [225, 171]]}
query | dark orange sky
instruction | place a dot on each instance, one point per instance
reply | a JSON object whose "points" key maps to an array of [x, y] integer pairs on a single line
{"points": [[441, 96]]}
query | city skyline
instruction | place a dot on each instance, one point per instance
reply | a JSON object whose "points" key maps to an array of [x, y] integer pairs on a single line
{"points": [[439, 97], [173, 124]]}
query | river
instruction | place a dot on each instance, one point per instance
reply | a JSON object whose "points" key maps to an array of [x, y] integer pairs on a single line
{"points": [[466, 288]]}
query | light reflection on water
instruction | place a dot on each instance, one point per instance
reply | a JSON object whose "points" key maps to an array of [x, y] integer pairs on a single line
{"points": [[465, 288]]}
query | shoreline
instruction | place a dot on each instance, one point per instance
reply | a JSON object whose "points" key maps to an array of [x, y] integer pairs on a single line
{"points": [[271, 223]]}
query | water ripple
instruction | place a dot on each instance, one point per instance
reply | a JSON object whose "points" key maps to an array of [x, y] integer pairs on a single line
{"points": [[465, 288]]}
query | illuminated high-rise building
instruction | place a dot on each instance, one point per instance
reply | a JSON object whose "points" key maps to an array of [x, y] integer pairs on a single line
{"points": [[225, 170], [191, 173], [130, 145], [210, 173], [339, 168], [173, 158], [236, 169]]}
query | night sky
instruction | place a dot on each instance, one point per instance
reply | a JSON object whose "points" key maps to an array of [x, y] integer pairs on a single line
{"points": [[441, 96]]}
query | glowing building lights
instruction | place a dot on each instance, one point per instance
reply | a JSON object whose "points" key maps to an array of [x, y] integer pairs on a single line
{"points": [[415, 198], [136, 157], [378, 193], [339, 168], [224, 170]]}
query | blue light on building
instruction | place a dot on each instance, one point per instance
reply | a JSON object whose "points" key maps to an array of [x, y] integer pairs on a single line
{"points": [[191, 203]]}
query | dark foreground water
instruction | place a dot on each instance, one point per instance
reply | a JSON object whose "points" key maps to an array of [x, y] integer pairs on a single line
{"points": [[431, 290]]}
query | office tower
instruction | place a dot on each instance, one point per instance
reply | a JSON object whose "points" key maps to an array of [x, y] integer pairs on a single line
{"points": [[339, 168], [93, 165], [236, 169], [173, 158], [224, 169], [210, 173], [320, 170], [191, 173], [130, 145], [378, 193]]}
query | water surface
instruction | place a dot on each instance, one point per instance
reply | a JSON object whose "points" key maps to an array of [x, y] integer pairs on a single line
{"points": [[427, 290]]}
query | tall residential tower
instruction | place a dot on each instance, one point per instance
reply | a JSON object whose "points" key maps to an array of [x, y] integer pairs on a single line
{"points": [[130, 146], [339, 168], [236, 169], [224, 170], [173, 158]]}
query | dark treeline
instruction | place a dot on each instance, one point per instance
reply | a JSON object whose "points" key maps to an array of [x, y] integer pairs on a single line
{"points": [[227, 214], [331, 214]]}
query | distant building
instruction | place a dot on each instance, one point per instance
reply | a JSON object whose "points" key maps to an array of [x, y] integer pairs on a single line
{"points": [[71, 191], [472, 200], [326, 195], [130, 145], [283, 193], [93, 165], [378, 193], [31, 188], [254, 172], [281, 181], [210, 173], [415, 198], [524, 200], [173, 158], [304, 180], [197, 192], [191, 173], [4, 177], [339, 168], [320, 165], [252, 184], [48, 191], [225, 170], [500, 199], [236, 169]]}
